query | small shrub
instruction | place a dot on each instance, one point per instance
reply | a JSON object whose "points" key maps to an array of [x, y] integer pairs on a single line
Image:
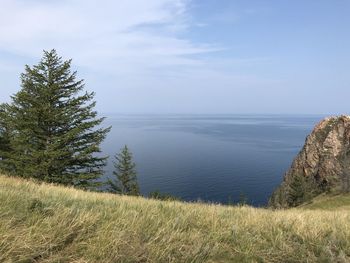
{"points": [[163, 196]]}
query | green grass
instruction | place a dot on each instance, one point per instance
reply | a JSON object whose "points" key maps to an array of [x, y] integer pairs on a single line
{"points": [[329, 202], [46, 223]]}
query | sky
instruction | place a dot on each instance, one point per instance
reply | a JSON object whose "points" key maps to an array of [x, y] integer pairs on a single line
{"points": [[189, 56]]}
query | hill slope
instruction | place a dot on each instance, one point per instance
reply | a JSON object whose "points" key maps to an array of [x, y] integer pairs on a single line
{"points": [[329, 202], [45, 223]]}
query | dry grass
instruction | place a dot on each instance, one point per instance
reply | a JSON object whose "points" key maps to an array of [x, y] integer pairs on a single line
{"points": [[45, 223]]}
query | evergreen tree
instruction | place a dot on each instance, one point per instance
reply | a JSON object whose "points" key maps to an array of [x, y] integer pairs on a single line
{"points": [[4, 139], [301, 189], [125, 173], [54, 131], [296, 193]]}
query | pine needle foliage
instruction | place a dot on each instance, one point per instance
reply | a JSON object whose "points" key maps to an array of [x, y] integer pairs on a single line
{"points": [[125, 173], [301, 189], [4, 139], [54, 132]]}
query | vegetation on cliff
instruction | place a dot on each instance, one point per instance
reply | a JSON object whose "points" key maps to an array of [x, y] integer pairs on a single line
{"points": [[322, 166]]}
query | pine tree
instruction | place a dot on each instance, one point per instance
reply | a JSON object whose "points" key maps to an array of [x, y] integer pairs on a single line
{"points": [[4, 139], [54, 132], [301, 189], [125, 173], [296, 193]]}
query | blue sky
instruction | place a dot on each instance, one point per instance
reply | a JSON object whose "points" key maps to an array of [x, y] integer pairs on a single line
{"points": [[189, 56]]}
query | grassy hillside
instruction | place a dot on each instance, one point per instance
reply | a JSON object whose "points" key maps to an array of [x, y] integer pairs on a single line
{"points": [[45, 223], [329, 202]]}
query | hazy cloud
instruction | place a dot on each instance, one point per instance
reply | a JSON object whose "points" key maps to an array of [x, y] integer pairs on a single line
{"points": [[101, 34], [186, 55]]}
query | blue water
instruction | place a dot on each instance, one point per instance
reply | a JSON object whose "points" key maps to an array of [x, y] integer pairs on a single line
{"points": [[211, 158]]}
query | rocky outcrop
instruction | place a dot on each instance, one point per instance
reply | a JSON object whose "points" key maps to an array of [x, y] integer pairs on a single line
{"points": [[323, 163]]}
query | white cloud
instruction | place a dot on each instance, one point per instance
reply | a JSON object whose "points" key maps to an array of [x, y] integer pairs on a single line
{"points": [[136, 54], [101, 35]]}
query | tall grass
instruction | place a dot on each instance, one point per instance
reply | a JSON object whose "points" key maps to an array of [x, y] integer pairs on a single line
{"points": [[46, 223]]}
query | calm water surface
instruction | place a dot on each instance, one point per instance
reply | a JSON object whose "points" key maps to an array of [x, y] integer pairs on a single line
{"points": [[209, 157]]}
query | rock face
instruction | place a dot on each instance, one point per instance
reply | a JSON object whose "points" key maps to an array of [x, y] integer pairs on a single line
{"points": [[324, 160]]}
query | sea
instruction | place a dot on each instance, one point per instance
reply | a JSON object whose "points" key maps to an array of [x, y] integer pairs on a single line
{"points": [[209, 158]]}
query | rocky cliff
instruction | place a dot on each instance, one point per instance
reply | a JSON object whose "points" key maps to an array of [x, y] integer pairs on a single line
{"points": [[322, 165]]}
